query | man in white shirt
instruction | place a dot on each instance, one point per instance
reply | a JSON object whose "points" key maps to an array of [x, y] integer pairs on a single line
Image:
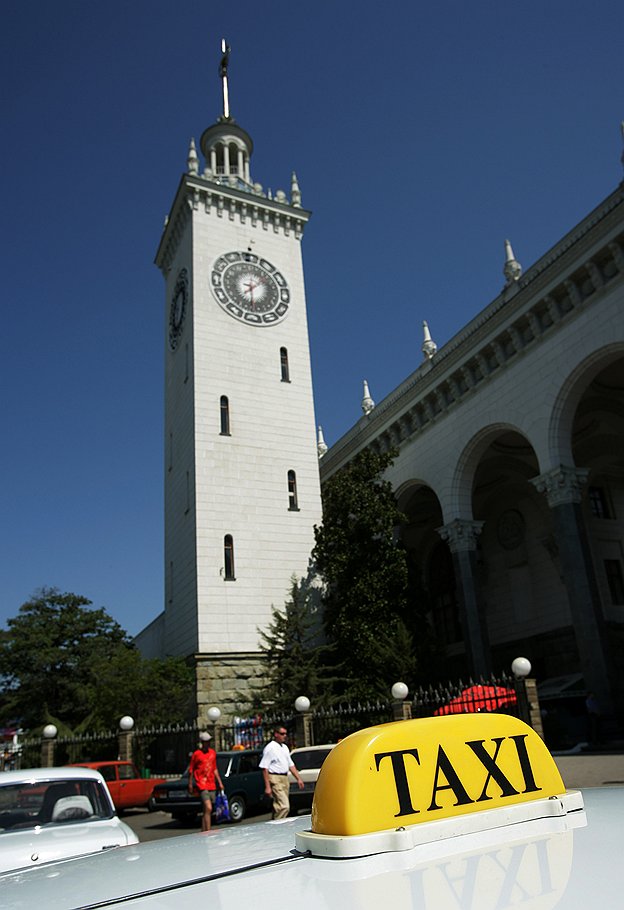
{"points": [[276, 762]]}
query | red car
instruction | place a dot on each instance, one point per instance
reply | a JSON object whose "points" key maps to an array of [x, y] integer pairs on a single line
{"points": [[127, 788]]}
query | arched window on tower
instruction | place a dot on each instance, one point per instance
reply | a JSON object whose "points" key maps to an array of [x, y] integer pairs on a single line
{"points": [[225, 415], [293, 504], [228, 557], [284, 365], [233, 149], [220, 159]]}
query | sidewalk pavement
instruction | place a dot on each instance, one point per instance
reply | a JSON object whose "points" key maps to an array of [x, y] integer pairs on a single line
{"points": [[591, 770]]}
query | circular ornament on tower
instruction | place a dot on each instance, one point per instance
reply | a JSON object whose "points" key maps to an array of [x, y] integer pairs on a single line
{"points": [[177, 310], [250, 288]]}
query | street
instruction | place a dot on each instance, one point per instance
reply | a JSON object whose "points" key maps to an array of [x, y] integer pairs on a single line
{"points": [[156, 825]]}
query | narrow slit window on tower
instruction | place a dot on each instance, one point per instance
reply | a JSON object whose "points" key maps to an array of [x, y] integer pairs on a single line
{"points": [[228, 557], [284, 365], [293, 504], [225, 416]]}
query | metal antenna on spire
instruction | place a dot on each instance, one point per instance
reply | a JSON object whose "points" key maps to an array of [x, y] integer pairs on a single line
{"points": [[223, 73]]}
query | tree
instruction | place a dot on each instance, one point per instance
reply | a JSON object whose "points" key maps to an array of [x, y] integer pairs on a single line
{"points": [[153, 691], [47, 655], [366, 605], [296, 660], [63, 660]]}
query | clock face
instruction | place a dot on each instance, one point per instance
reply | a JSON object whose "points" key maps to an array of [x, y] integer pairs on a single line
{"points": [[250, 288], [177, 311]]}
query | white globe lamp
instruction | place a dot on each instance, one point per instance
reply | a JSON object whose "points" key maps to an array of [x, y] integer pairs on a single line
{"points": [[521, 667], [126, 723], [49, 731], [302, 704], [399, 691]]}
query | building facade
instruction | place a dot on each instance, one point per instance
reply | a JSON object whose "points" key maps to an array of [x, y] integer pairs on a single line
{"points": [[242, 490], [510, 467]]}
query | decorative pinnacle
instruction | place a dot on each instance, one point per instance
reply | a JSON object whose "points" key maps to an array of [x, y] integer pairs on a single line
{"points": [[367, 402], [512, 270], [223, 75], [429, 347], [321, 445], [295, 192], [192, 162]]}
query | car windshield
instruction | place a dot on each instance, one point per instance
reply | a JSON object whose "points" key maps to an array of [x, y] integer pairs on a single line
{"points": [[30, 804]]}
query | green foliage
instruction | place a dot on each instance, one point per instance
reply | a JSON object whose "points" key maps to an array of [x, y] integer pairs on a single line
{"points": [[366, 601], [297, 664], [152, 691], [47, 654], [63, 660]]}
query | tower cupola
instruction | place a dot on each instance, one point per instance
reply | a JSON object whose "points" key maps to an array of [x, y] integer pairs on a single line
{"points": [[226, 146]]}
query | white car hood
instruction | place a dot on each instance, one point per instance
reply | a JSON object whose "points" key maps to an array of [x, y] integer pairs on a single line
{"points": [[535, 865], [48, 843]]}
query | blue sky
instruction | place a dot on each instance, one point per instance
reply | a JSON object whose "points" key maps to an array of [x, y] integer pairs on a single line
{"points": [[422, 136]]}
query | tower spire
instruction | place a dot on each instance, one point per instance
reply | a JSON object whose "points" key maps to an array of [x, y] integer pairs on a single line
{"points": [[223, 74]]}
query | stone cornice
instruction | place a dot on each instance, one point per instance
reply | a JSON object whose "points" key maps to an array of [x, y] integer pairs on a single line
{"points": [[564, 281], [195, 193]]}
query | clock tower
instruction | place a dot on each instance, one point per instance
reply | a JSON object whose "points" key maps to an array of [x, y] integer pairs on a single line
{"points": [[242, 491]]}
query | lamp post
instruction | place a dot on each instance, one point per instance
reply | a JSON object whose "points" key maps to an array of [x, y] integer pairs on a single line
{"points": [[526, 692], [401, 709], [125, 737], [48, 743], [214, 714], [303, 721]]}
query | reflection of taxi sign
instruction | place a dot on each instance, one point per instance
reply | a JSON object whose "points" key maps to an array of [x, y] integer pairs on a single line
{"points": [[397, 785]]}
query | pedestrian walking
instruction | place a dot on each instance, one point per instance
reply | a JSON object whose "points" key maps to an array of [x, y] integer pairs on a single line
{"points": [[276, 762], [204, 777]]}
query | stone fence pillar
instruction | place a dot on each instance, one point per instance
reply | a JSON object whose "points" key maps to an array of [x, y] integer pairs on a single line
{"points": [[48, 745]]}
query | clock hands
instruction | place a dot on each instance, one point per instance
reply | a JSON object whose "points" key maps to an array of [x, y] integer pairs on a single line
{"points": [[250, 287], [251, 284]]}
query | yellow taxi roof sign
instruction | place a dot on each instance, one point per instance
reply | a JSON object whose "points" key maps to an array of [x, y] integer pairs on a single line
{"points": [[412, 772]]}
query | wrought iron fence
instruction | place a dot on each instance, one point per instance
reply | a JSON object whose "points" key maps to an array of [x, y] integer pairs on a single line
{"points": [[330, 725], [500, 694], [165, 750]]}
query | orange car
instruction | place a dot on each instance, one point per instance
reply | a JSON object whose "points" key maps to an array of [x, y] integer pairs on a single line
{"points": [[127, 788]]}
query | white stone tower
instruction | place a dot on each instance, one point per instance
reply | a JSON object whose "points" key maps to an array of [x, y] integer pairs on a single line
{"points": [[242, 491]]}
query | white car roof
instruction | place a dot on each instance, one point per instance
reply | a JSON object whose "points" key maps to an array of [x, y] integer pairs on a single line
{"points": [[312, 748], [35, 774], [256, 865]]}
